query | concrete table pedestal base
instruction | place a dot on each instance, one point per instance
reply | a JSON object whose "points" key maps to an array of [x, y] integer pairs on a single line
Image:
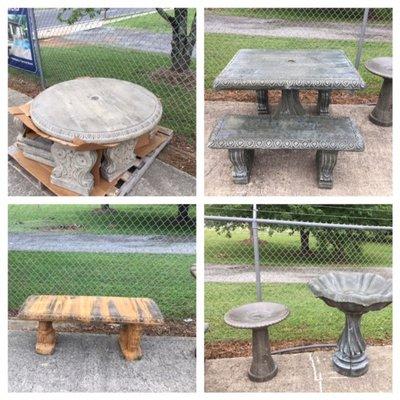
{"points": [[118, 159], [73, 168], [382, 113]]}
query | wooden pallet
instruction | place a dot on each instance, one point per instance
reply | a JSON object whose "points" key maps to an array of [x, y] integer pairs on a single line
{"points": [[39, 174]]}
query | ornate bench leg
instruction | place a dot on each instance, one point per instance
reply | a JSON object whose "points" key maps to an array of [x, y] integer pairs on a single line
{"points": [[242, 160], [263, 367], [324, 99], [326, 161], [118, 159], [262, 101], [129, 341], [72, 170], [46, 338]]}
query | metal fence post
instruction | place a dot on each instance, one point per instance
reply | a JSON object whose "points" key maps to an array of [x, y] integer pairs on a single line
{"points": [[361, 38], [37, 47], [254, 225]]}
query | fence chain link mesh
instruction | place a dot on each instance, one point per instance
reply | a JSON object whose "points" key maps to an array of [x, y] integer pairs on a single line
{"points": [[290, 256], [132, 44], [230, 29], [121, 250]]}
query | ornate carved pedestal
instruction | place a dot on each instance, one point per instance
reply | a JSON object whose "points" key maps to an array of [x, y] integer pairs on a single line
{"points": [[242, 161], [46, 338], [324, 99], [72, 168], [326, 161], [129, 341], [290, 104], [350, 358], [118, 159]]}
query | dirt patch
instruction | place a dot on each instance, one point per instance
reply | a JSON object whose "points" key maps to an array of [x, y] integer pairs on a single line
{"points": [[187, 79], [24, 85], [181, 154], [306, 97], [242, 348], [58, 42]]}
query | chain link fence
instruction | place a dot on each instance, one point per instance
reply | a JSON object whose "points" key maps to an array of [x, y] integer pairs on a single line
{"points": [[153, 49], [274, 259], [362, 33], [118, 250]]}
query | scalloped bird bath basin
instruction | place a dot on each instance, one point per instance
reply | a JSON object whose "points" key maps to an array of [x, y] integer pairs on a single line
{"points": [[354, 294]]}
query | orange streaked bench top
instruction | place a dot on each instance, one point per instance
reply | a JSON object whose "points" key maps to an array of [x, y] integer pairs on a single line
{"points": [[89, 309]]}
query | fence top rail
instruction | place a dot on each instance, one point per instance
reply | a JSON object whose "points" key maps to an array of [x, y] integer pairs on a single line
{"points": [[298, 223]]}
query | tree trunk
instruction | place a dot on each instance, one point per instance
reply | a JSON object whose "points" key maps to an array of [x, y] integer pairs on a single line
{"points": [[182, 43], [183, 213], [305, 242]]}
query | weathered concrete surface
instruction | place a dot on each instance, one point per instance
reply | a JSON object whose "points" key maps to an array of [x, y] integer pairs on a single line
{"points": [[159, 180], [245, 273], [91, 243], [93, 363], [303, 372], [236, 25], [293, 173]]}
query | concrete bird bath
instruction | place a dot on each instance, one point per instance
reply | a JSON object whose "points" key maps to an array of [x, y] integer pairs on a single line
{"points": [[354, 294], [258, 316]]}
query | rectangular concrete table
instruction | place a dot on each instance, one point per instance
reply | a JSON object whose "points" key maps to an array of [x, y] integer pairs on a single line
{"points": [[132, 313], [290, 71]]}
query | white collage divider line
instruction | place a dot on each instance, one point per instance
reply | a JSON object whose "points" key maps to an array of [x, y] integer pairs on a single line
{"points": [[199, 200]]}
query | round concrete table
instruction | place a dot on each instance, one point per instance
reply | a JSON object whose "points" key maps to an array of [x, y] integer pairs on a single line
{"points": [[382, 113], [97, 111], [258, 317]]}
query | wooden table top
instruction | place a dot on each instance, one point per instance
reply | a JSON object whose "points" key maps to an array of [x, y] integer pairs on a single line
{"points": [[91, 309], [96, 110], [253, 69]]}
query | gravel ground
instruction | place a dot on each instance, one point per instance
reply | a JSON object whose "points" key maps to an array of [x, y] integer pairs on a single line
{"points": [[245, 273], [235, 25], [91, 243], [93, 363]]}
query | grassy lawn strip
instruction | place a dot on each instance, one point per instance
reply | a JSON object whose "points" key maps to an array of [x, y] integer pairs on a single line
{"points": [[179, 104], [215, 59], [127, 219], [165, 278], [283, 249], [310, 318], [307, 15], [151, 22]]}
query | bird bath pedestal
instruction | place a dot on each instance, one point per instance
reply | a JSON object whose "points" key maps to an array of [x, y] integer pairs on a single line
{"points": [[258, 316], [354, 294]]}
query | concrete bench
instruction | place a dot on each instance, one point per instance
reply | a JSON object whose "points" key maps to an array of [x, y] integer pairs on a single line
{"points": [[132, 313], [242, 134]]}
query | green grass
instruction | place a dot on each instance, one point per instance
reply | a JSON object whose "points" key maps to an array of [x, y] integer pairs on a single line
{"points": [[310, 319], [282, 249], [126, 219], [308, 15], [163, 277], [151, 22], [179, 103], [220, 48]]}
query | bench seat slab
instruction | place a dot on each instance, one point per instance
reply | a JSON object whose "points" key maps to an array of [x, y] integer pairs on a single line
{"points": [[302, 133], [91, 309]]}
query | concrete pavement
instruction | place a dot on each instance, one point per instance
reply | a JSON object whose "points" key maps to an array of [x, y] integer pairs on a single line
{"points": [[93, 363], [302, 372]]}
